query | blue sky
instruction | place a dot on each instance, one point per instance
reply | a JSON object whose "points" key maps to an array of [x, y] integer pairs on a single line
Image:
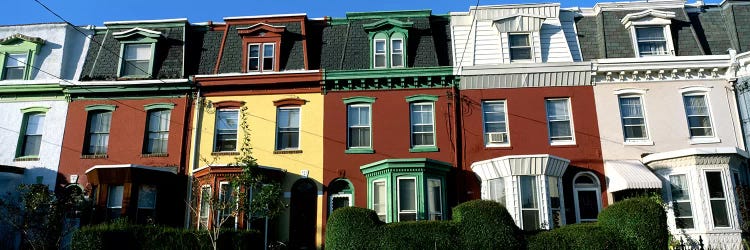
{"points": [[84, 12]]}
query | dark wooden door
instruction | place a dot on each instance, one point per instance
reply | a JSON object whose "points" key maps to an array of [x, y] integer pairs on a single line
{"points": [[303, 210]]}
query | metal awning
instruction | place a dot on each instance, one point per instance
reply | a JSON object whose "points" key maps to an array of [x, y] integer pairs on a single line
{"points": [[629, 174]]}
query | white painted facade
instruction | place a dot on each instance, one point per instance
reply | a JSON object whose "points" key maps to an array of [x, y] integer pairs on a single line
{"points": [[480, 36], [60, 56]]}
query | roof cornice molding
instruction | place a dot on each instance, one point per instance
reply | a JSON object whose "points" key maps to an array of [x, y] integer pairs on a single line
{"points": [[15, 37], [388, 14], [261, 26], [661, 68], [636, 5], [385, 22]]}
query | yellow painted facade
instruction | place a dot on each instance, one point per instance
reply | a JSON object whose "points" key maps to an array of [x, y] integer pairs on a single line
{"points": [[261, 117]]}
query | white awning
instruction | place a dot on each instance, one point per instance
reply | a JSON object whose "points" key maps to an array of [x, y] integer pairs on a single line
{"points": [[629, 174]]}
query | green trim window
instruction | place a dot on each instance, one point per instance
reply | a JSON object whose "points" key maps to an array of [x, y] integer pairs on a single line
{"points": [[136, 60], [137, 52], [97, 132], [422, 123], [157, 131], [407, 189], [359, 124], [225, 137], [31, 136], [17, 54], [388, 40], [341, 194], [287, 130]]}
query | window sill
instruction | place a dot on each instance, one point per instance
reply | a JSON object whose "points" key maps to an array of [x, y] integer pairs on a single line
{"points": [[287, 151], [639, 143], [359, 151], [225, 153], [422, 149], [497, 146], [154, 155], [704, 140], [27, 158], [95, 156], [563, 143]]}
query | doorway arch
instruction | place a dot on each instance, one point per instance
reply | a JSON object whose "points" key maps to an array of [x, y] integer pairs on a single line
{"points": [[587, 196], [303, 218]]}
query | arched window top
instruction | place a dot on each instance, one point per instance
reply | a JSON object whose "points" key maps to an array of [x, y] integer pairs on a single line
{"points": [[630, 91], [341, 186], [422, 98], [102, 107], [359, 99], [290, 102], [35, 110], [148, 107], [227, 104], [694, 89], [585, 179]]}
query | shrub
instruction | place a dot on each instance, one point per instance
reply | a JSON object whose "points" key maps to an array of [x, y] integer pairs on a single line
{"points": [[124, 236], [640, 222], [419, 235], [486, 224], [578, 236], [352, 228]]}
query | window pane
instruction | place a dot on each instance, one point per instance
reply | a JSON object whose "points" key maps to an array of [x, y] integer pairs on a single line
{"points": [[519, 40], [147, 196], [699, 119], [530, 219], [114, 197], [397, 60], [33, 134], [558, 118], [679, 187], [434, 199], [32, 144], [226, 130], [631, 111], [651, 41], [719, 212], [380, 46], [715, 185], [158, 131], [288, 128], [407, 194], [98, 136], [379, 60], [529, 192], [137, 51], [588, 205], [554, 192], [520, 53], [339, 202], [253, 56], [379, 199], [268, 50], [497, 190], [16, 60]]}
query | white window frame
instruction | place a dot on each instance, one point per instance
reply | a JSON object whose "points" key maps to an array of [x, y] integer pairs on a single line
{"points": [[390, 50], [199, 225], [652, 19], [411, 127], [572, 140], [597, 188], [538, 195], [24, 66], [216, 129], [487, 143], [375, 53], [440, 211], [727, 202], [530, 38], [139, 71], [349, 198], [689, 201], [398, 199], [299, 128], [221, 197], [635, 141], [349, 126], [491, 194], [261, 57], [668, 50], [384, 202], [700, 91]]}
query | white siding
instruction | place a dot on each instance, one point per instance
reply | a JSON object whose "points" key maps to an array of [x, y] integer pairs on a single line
{"points": [[488, 49]]}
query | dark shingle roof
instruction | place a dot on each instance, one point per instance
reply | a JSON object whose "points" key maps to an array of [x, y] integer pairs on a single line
{"points": [[291, 51], [102, 61], [711, 30], [206, 47], [346, 46]]}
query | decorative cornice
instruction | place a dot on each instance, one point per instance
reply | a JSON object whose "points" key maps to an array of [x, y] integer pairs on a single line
{"points": [[290, 101], [388, 14], [423, 165], [359, 99], [137, 31], [228, 104], [260, 27], [404, 78], [660, 68], [106, 107], [16, 37], [629, 18], [382, 24]]}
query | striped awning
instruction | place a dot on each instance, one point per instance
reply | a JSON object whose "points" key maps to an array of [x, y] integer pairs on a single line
{"points": [[629, 174]]}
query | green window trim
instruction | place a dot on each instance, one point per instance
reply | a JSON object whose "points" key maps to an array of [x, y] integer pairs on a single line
{"points": [[419, 169], [359, 99], [107, 107], [359, 151], [423, 149], [19, 44], [389, 30], [151, 106], [136, 36], [35, 110], [422, 98]]}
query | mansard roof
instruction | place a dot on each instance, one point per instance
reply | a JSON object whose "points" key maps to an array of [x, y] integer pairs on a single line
{"points": [[103, 57], [696, 29], [346, 44]]}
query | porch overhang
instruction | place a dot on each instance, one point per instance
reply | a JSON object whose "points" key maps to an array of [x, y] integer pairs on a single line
{"points": [[125, 173], [541, 164], [629, 174]]}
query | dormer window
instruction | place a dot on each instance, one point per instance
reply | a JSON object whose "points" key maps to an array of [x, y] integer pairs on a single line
{"points": [[388, 43], [261, 43], [650, 30], [17, 54], [261, 57], [520, 47], [137, 50]]}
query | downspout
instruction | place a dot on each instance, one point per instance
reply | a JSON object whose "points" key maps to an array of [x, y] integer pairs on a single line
{"points": [[730, 91], [193, 159]]}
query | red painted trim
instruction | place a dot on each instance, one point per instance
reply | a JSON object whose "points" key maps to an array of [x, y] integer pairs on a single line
{"points": [[247, 40], [274, 31], [268, 20], [228, 104], [221, 50], [262, 92], [304, 43], [289, 101]]}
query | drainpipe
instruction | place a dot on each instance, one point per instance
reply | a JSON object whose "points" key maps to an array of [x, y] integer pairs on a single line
{"points": [[193, 159]]}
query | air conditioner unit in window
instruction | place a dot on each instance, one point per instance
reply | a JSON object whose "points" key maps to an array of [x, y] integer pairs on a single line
{"points": [[496, 137]]}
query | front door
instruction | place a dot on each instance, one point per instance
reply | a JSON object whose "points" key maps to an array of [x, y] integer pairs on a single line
{"points": [[588, 205], [303, 210]]}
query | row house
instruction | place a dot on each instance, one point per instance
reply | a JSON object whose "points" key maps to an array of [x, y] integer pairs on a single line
{"points": [[126, 121], [667, 113], [529, 126], [390, 115], [34, 59], [259, 89]]}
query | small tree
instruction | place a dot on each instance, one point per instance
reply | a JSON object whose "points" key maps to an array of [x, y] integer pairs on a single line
{"points": [[250, 193], [40, 215]]}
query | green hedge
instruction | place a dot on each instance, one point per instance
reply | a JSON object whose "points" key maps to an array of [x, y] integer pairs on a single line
{"points": [[352, 228], [640, 222], [578, 236], [487, 225], [419, 235], [124, 236]]}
